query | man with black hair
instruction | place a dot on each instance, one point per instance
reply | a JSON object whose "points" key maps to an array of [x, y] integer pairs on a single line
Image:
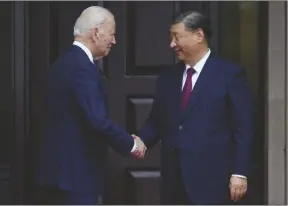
{"points": [[202, 113]]}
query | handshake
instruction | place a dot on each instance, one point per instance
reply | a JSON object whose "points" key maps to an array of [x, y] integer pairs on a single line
{"points": [[139, 148]]}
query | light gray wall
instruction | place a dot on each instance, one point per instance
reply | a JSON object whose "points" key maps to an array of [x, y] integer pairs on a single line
{"points": [[286, 55], [276, 104]]}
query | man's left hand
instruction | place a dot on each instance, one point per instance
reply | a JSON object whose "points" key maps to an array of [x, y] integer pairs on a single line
{"points": [[238, 188]]}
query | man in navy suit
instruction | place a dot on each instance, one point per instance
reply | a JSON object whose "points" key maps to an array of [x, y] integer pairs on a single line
{"points": [[202, 114], [77, 129]]}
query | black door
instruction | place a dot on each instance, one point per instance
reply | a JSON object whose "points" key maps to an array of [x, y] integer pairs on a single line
{"points": [[130, 72]]}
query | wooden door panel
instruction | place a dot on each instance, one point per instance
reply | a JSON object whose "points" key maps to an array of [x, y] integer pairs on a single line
{"points": [[148, 37]]}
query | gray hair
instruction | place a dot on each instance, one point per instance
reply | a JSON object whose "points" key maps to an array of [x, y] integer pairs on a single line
{"points": [[194, 20], [90, 18]]}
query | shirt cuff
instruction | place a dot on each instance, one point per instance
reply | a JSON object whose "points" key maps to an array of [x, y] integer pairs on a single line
{"points": [[241, 176], [134, 147]]}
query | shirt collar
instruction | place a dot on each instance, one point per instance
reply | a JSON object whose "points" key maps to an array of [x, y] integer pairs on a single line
{"points": [[199, 66], [85, 49]]}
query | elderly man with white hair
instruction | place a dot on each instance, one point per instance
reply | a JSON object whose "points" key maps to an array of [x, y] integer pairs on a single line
{"points": [[77, 130]]}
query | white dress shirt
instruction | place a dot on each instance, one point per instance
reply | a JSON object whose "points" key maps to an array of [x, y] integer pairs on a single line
{"points": [[198, 68], [85, 49], [90, 56]]}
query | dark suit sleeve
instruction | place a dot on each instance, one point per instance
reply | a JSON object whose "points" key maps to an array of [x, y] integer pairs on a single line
{"points": [[87, 91], [242, 120], [149, 132]]}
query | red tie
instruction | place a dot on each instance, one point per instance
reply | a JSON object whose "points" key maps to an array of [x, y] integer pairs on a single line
{"points": [[187, 88]]}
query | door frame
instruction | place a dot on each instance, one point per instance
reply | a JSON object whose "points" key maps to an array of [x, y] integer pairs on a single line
{"points": [[276, 105]]}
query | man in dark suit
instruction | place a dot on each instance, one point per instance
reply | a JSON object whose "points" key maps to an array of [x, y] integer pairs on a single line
{"points": [[77, 129], [202, 113]]}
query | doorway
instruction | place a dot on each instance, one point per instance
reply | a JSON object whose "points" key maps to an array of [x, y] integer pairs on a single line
{"points": [[130, 72]]}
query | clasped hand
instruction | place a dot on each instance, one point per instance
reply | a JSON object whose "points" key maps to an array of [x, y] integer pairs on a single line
{"points": [[140, 149]]}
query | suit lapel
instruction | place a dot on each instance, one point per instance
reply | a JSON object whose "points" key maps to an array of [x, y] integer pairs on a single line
{"points": [[204, 78], [176, 93]]}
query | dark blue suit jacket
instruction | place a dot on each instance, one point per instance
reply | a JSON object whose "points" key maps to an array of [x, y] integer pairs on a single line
{"points": [[77, 129], [213, 136]]}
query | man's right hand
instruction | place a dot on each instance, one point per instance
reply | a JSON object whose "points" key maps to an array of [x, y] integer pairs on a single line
{"points": [[140, 149]]}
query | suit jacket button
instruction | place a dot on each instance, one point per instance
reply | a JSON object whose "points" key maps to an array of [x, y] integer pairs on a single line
{"points": [[180, 127]]}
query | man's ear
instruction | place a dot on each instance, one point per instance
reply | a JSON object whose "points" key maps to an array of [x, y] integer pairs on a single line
{"points": [[96, 32], [200, 35]]}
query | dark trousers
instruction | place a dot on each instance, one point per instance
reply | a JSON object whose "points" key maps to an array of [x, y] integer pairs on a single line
{"points": [[179, 195], [54, 196]]}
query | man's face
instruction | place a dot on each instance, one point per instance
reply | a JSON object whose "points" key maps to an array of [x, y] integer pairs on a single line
{"points": [[104, 38], [184, 42]]}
